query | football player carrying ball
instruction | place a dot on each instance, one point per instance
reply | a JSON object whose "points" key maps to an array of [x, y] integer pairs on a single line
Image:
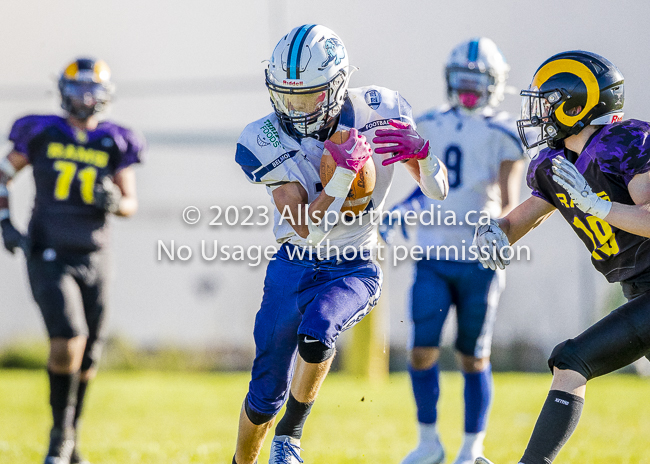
{"points": [[313, 290]]}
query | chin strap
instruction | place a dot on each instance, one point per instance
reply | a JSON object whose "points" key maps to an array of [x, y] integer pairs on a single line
{"points": [[330, 128]]}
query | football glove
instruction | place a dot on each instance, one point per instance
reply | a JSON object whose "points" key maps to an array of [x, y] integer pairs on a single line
{"points": [[11, 238], [569, 178], [351, 154], [107, 196], [489, 240], [405, 143]]}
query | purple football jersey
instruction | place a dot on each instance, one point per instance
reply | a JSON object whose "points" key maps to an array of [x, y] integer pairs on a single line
{"points": [[611, 158], [67, 164]]}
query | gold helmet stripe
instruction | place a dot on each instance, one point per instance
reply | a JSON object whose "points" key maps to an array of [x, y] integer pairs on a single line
{"points": [[72, 70], [578, 69], [102, 72]]}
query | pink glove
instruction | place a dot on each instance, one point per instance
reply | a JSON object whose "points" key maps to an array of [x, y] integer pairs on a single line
{"points": [[406, 142], [351, 154]]}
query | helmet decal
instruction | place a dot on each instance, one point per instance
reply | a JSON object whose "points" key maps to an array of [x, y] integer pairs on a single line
{"points": [[335, 51], [101, 71], [581, 71], [71, 71], [87, 70], [571, 81], [293, 65]]}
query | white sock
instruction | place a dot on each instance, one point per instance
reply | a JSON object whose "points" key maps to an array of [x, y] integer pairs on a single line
{"points": [[429, 435], [472, 445]]}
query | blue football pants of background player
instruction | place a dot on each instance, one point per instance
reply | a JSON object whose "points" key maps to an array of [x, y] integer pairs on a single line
{"points": [[474, 291]]}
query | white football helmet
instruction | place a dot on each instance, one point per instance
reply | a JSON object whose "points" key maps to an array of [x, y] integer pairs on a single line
{"points": [[307, 78], [476, 74]]}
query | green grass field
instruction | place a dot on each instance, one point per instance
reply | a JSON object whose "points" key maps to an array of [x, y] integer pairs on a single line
{"points": [[149, 417]]}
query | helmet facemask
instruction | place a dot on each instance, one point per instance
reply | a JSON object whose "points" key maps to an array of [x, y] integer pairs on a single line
{"points": [[468, 89], [537, 110], [306, 111], [83, 99]]}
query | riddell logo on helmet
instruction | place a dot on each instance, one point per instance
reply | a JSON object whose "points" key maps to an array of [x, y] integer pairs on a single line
{"points": [[296, 83], [617, 118]]}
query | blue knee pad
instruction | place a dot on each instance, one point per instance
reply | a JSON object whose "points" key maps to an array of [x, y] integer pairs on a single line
{"points": [[313, 350], [255, 417]]}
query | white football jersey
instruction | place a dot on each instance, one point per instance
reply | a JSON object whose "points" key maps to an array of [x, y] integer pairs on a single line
{"points": [[472, 147], [270, 156]]}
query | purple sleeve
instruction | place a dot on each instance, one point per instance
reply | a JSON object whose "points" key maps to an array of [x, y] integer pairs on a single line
{"points": [[24, 130], [131, 148], [624, 149], [531, 177]]}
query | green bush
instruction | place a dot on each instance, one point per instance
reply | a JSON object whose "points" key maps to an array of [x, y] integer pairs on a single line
{"points": [[25, 354], [120, 354]]}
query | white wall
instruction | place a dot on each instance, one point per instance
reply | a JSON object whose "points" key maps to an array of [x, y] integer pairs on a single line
{"points": [[194, 70]]}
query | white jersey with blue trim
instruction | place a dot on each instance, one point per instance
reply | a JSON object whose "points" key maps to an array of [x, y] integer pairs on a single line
{"points": [[472, 147], [270, 156]]}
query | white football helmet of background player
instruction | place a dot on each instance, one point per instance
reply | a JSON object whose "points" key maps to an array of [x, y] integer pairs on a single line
{"points": [[307, 78], [476, 74]]}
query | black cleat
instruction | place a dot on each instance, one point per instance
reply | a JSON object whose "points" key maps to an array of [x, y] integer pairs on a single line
{"points": [[61, 446]]}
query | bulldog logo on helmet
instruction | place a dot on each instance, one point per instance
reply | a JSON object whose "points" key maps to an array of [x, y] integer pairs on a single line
{"points": [[335, 51]]}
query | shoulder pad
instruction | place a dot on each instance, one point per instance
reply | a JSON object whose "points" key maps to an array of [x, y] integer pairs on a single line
{"points": [[503, 118], [506, 123], [385, 103], [262, 151], [28, 127], [536, 162], [623, 148], [130, 144], [433, 114]]}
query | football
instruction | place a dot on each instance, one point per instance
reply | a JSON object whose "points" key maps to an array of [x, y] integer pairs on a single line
{"points": [[363, 185]]}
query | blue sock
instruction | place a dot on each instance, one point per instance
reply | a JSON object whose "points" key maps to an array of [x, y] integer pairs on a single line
{"points": [[478, 396], [426, 390]]}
